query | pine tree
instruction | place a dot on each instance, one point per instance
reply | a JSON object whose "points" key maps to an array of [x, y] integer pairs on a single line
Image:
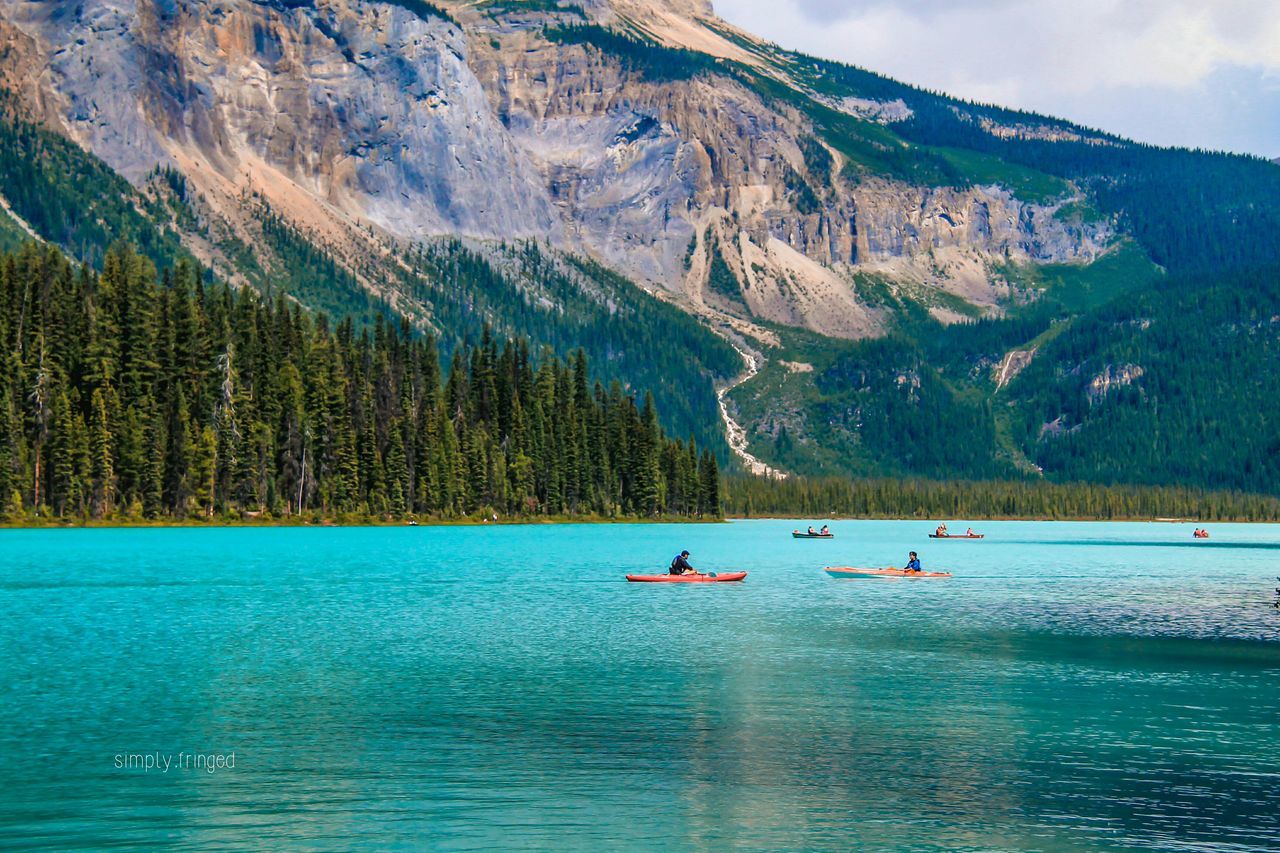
{"points": [[103, 466], [646, 461], [397, 473], [204, 469], [8, 443], [708, 486]]}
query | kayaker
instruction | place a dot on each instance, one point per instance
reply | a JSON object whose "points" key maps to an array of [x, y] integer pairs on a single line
{"points": [[680, 565], [913, 564]]}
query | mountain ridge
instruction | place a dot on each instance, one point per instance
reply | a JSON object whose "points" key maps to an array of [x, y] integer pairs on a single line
{"points": [[408, 158], [268, 117]]}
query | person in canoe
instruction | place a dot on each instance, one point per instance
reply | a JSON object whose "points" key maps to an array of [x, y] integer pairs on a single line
{"points": [[812, 532], [680, 564], [970, 533], [941, 531], [913, 564], [825, 531]]}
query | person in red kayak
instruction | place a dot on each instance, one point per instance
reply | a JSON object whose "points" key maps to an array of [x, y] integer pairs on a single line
{"points": [[913, 564], [680, 565]]}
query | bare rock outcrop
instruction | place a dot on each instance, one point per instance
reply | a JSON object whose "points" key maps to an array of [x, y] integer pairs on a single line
{"points": [[354, 117]]}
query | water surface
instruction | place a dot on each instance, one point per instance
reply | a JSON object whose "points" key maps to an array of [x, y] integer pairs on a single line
{"points": [[1075, 685]]}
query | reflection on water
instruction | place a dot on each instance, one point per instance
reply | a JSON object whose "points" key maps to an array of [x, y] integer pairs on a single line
{"points": [[504, 687], [1202, 544]]}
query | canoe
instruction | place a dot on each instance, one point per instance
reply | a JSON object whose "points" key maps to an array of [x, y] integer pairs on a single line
{"points": [[958, 536], [846, 573], [798, 535], [710, 577]]}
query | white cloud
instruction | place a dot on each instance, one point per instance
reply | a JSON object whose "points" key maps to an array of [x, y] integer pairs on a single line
{"points": [[1085, 59]]}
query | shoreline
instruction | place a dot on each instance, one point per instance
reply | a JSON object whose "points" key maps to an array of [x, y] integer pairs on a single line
{"points": [[933, 520], [194, 524]]}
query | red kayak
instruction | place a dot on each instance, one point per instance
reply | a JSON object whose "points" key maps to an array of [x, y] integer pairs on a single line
{"points": [[710, 577], [846, 573]]}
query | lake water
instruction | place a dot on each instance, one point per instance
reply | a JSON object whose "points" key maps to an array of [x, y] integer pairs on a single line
{"points": [[1075, 685]]}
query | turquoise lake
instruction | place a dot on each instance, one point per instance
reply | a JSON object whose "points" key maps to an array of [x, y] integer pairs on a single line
{"points": [[1075, 685]]}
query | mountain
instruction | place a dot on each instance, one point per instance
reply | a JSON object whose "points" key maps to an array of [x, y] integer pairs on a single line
{"points": [[914, 280], [593, 128]]}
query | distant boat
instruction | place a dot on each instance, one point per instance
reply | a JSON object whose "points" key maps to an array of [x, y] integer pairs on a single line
{"points": [[796, 534], [957, 535]]}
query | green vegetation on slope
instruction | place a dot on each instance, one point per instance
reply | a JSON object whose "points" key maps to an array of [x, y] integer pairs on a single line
{"points": [[424, 10], [650, 60], [524, 291], [12, 235], [72, 198], [125, 396], [1081, 287], [1171, 386], [310, 274], [984, 169], [869, 408], [720, 279]]}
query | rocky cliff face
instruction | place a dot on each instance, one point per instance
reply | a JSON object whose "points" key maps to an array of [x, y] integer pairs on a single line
{"points": [[368, 123]]}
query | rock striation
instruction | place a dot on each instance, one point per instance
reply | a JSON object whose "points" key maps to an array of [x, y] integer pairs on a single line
{"points": [[363, 121]]}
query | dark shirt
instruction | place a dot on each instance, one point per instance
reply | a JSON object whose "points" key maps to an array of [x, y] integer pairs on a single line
{"points": [[913, 566], [680, 565]]}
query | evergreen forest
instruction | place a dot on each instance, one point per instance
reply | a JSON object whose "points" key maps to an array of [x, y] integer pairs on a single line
{"points": [[131, 395]]}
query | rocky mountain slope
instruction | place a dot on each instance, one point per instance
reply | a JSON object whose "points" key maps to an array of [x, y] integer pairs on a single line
{"points": [[528, 163], [349, 117]]}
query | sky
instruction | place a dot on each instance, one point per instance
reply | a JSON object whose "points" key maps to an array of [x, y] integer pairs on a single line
{"points": [[1196, 73]]}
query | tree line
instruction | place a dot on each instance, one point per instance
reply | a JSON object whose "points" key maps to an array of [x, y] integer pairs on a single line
{"points": [[132, 394], [970, 499]]}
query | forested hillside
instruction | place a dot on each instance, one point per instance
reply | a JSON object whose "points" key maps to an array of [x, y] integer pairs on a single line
{"points": [[1172, 386], [1153, 364], [453, 289], [128, 395]]}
